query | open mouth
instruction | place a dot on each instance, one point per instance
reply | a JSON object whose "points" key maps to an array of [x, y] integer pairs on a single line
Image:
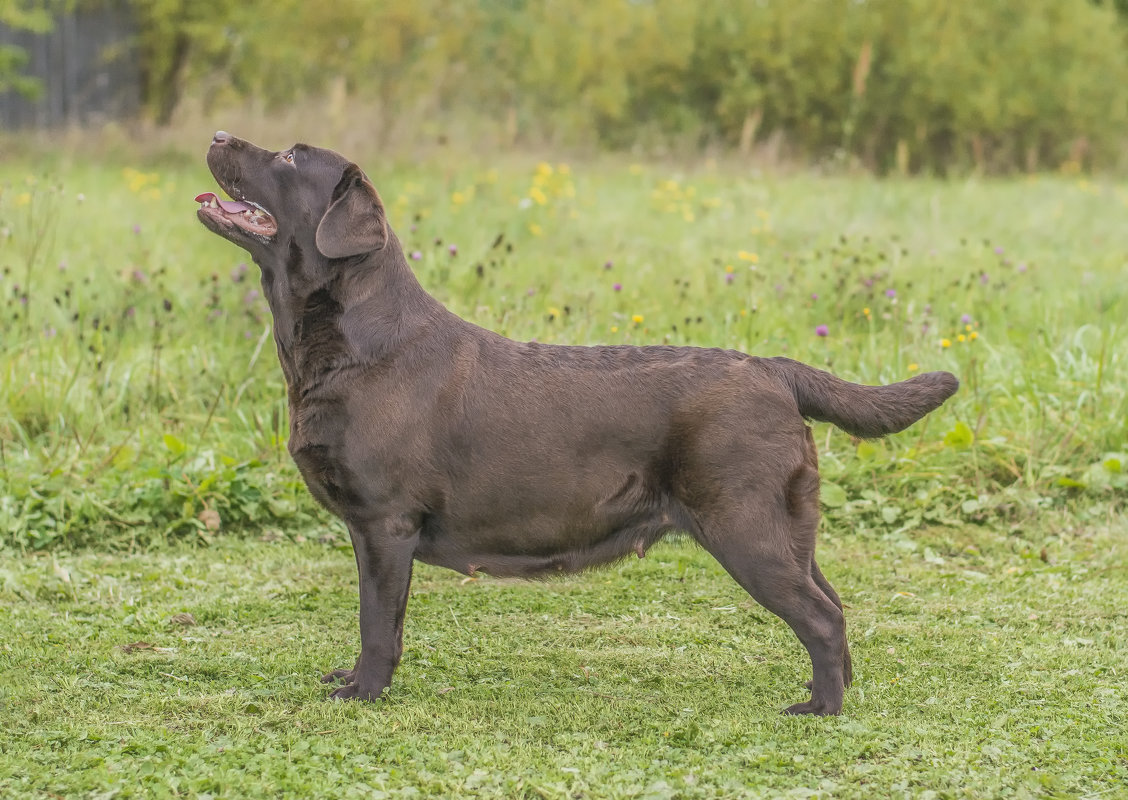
{"points": [[243, 214]]}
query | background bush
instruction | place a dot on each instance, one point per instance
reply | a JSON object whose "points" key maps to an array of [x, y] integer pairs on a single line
{"points": [[913, 85]]}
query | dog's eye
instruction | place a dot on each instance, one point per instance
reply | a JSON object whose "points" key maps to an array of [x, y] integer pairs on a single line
{"points": [[288, 157]]}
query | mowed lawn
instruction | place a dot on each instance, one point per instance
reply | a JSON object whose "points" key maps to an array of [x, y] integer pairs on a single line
{"points": [[169, 596], [980, 672]]}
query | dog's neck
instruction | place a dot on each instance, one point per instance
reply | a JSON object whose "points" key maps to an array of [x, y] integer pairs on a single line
{"points": [[352, 310]]}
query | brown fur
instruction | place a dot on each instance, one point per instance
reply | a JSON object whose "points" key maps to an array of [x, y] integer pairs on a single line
{"points": [[439, 441]]}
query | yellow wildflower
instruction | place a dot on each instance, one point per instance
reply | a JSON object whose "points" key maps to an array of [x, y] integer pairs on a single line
{"points": [[914, 367], [744, 255], [945, 342], [637, 318], [535, 229], [138, 180]]}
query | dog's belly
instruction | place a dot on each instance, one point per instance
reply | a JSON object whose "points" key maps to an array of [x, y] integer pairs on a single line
{"points": [[528, 557], [540, 539]]}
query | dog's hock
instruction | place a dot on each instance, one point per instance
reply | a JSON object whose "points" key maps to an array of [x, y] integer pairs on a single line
{"points": [[355, 221]]}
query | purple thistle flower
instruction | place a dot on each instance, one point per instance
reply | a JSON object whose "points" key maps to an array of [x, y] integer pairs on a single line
{"points": [[814, 295], [1022, 266], [729, 277], [531, 291], [416, 255], [890, 293], [618, 287], [137, 229], [453, 249], [965, 319], [607, 265], [998, 251], [984, 278], [822, 330]]}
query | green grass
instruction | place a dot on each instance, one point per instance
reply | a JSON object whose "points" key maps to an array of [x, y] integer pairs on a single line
{"points": [[981, 552], [982, 671], [139, 387]]}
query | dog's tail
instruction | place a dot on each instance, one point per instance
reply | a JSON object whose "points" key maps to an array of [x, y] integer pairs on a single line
{"points": [[863, 411]]}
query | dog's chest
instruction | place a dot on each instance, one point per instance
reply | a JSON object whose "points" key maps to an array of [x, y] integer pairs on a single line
{"points": [[330, 482]]}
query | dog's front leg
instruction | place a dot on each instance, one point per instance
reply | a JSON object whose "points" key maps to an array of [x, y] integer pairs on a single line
{"points": [[384, 557]]}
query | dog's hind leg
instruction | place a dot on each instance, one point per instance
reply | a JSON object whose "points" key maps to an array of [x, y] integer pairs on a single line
{"points": [[828, 590], [766, 542]]}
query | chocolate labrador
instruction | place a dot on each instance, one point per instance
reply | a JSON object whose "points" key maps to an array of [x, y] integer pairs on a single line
{"points": [[439, 441]]}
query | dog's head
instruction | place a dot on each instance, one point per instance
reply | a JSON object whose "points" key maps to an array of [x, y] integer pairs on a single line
{"points": [[306, 195]]}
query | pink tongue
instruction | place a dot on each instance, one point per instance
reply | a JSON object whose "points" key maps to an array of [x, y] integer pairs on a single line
{"points": [[230, 206]]}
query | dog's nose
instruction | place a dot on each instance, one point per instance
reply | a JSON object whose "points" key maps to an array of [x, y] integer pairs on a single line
{"points": [[221, 137]]}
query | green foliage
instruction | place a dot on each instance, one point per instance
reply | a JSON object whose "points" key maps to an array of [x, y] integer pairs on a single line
{"points": [[22, 15], [908, 85]]}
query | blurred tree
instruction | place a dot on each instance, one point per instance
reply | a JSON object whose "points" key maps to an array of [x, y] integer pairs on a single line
{"points": [[892, 84], [22, 15], [174, 34]]}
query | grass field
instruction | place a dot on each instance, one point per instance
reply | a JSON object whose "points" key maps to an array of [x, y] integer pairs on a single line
{"points": [[143, 475], [982, 672]]}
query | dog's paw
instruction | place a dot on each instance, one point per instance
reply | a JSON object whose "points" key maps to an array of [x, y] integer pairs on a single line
{"points": [[357, 691], [346, 675], [819, 709]]}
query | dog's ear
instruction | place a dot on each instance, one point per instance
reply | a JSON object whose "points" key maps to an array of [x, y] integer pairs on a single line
{"points": [[355, 222]]}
